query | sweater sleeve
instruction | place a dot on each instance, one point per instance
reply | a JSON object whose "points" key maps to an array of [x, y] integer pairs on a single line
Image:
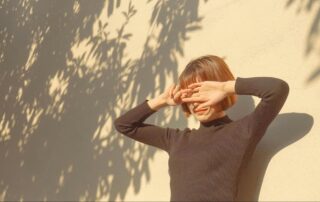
{"points": [[131, 124], [273, 93]]}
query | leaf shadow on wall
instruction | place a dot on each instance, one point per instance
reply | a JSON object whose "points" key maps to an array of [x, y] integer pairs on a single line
{"points": [[175, 19], [283, 131], [57, 142], [313, 37], [46, 152]]}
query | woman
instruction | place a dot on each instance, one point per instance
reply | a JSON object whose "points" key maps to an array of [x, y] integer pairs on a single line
{"points": [[205, 163]]}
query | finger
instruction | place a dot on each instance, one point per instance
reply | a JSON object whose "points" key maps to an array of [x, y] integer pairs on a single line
{"points": [[192, 99], [171, 89], [186, 92], [203, 105], [181, 94], [197, 89], [177, 95], [195, 94], [193, 85], [176, 89]]}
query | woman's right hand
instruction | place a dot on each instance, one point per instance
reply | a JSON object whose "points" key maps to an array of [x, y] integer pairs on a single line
{"points": [[173, 95]]}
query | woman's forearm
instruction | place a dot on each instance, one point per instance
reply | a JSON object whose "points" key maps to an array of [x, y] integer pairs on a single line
{"points": [[273, 93], [156, 103]]}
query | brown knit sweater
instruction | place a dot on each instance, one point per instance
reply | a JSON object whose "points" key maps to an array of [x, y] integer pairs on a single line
{"points": [[205, 163]]}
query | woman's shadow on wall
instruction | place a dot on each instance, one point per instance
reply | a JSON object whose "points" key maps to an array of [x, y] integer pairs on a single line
{"points": [[285, 129]]}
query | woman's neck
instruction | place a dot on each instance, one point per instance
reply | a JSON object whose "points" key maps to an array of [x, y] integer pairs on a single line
{"points": [[215, 116], [218, 119]]}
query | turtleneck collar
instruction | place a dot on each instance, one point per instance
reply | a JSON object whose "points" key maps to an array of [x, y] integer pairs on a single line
{"points": [[215, 122]]}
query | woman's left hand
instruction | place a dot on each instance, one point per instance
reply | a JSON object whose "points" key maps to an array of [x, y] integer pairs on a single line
{"points": [[207, 93]]}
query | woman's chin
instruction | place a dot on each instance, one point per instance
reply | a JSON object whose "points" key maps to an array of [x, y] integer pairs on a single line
{"points": [[203, 115], [207, 115]]}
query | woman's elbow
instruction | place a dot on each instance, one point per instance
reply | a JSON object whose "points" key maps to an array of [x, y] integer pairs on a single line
{"points": [[117, 125], [284, 87], [122, 127], [281, 89]]}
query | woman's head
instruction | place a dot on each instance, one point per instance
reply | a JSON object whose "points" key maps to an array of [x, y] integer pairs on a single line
{"points": [[206, 68]]}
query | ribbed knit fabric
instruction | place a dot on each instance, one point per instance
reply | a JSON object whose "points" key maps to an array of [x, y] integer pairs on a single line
{"points": [[205, 163]]}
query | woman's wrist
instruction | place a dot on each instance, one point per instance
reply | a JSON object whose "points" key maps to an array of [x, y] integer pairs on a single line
{"points": [[229, 87], [157, 103]]}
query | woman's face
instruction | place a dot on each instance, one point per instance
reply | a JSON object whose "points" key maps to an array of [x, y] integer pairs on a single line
{"points": [[208, 113], [205, 114]]}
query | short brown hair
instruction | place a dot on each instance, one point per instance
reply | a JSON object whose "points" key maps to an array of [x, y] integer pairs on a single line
{"points": [[207, 68]]}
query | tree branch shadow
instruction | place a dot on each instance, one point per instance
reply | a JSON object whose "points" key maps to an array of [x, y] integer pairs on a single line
{"points": [[313, 37], [56, 138]]}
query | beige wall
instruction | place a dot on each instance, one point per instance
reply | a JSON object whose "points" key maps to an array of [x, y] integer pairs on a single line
{"points": [[64, 82]]}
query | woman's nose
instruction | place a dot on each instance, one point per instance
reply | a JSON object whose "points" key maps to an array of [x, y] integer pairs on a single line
{"points": [[195, 104]]}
